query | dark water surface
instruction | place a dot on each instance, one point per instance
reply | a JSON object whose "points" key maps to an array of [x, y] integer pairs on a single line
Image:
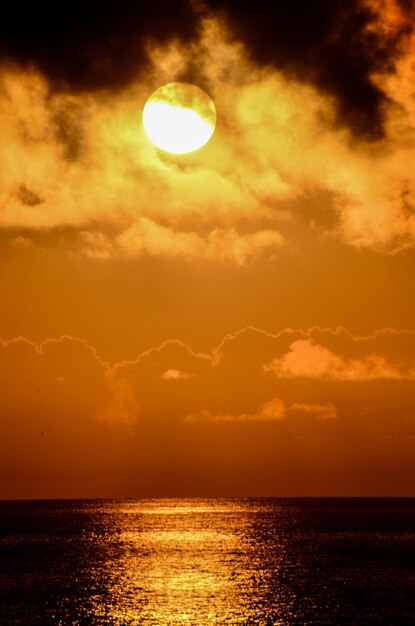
{"points": [[202, 562]]}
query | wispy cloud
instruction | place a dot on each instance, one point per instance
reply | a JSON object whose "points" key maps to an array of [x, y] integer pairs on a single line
{"points": [[269, 411], [321, 411]]}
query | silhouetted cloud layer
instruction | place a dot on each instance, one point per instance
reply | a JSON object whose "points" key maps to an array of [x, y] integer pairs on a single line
{"points": [[72, 424]]}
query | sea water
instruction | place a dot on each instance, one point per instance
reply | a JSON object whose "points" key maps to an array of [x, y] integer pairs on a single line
{"points": [[158, 562]]}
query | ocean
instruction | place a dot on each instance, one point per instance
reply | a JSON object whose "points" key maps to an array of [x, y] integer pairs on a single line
{"points": [[250, 561]]}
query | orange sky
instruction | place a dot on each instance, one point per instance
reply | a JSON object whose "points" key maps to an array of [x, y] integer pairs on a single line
{"points": [[237, 321]]}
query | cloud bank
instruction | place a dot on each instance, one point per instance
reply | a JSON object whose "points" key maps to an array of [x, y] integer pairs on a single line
{"points": [[78, 156], [68, 418]]}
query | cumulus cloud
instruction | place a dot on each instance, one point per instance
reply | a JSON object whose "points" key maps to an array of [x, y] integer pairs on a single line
{"points": [[307, 359], [173, 374], [68, 413], [51, 437], [316, 353], [147, 237], [21, 242], [160, 383], [61, 375], [96, 245]]}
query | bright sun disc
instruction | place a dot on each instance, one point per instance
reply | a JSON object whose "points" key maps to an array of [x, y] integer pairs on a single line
{"points": [[179, 118]]}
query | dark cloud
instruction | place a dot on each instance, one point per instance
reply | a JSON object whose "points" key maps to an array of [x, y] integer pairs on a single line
{"points": [[329, 43], [68, 127], [333, 44], [85, 45], [28, 197]]}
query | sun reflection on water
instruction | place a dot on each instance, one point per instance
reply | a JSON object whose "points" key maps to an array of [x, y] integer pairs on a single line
{"points": [[182, 563], [254, 562]]}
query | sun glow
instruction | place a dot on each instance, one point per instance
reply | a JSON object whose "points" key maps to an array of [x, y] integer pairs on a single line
{"points": [[179, 118]]}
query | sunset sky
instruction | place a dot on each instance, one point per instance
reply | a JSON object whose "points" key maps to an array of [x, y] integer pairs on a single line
{"points": [[235, 321]]}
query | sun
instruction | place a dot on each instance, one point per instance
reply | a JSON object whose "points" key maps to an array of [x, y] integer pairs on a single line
{"points": [[179, 118]]}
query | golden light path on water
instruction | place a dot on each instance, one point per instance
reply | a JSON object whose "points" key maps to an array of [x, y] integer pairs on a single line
{"points": [[179, 563], [239, 562]]}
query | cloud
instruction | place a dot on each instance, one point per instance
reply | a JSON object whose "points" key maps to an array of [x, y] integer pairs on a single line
{"points": [[80, 158], [122, 407], [69, 420], [321, 411], [337, 47], [273, 410], [21, 242], [144, 392], [93, 48], [62, 376], [171, 350], [147, 237], [124, 196], [51, 398], [269, 411], [223, 245], [173, 374], [307, 359], [96, 245]]}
